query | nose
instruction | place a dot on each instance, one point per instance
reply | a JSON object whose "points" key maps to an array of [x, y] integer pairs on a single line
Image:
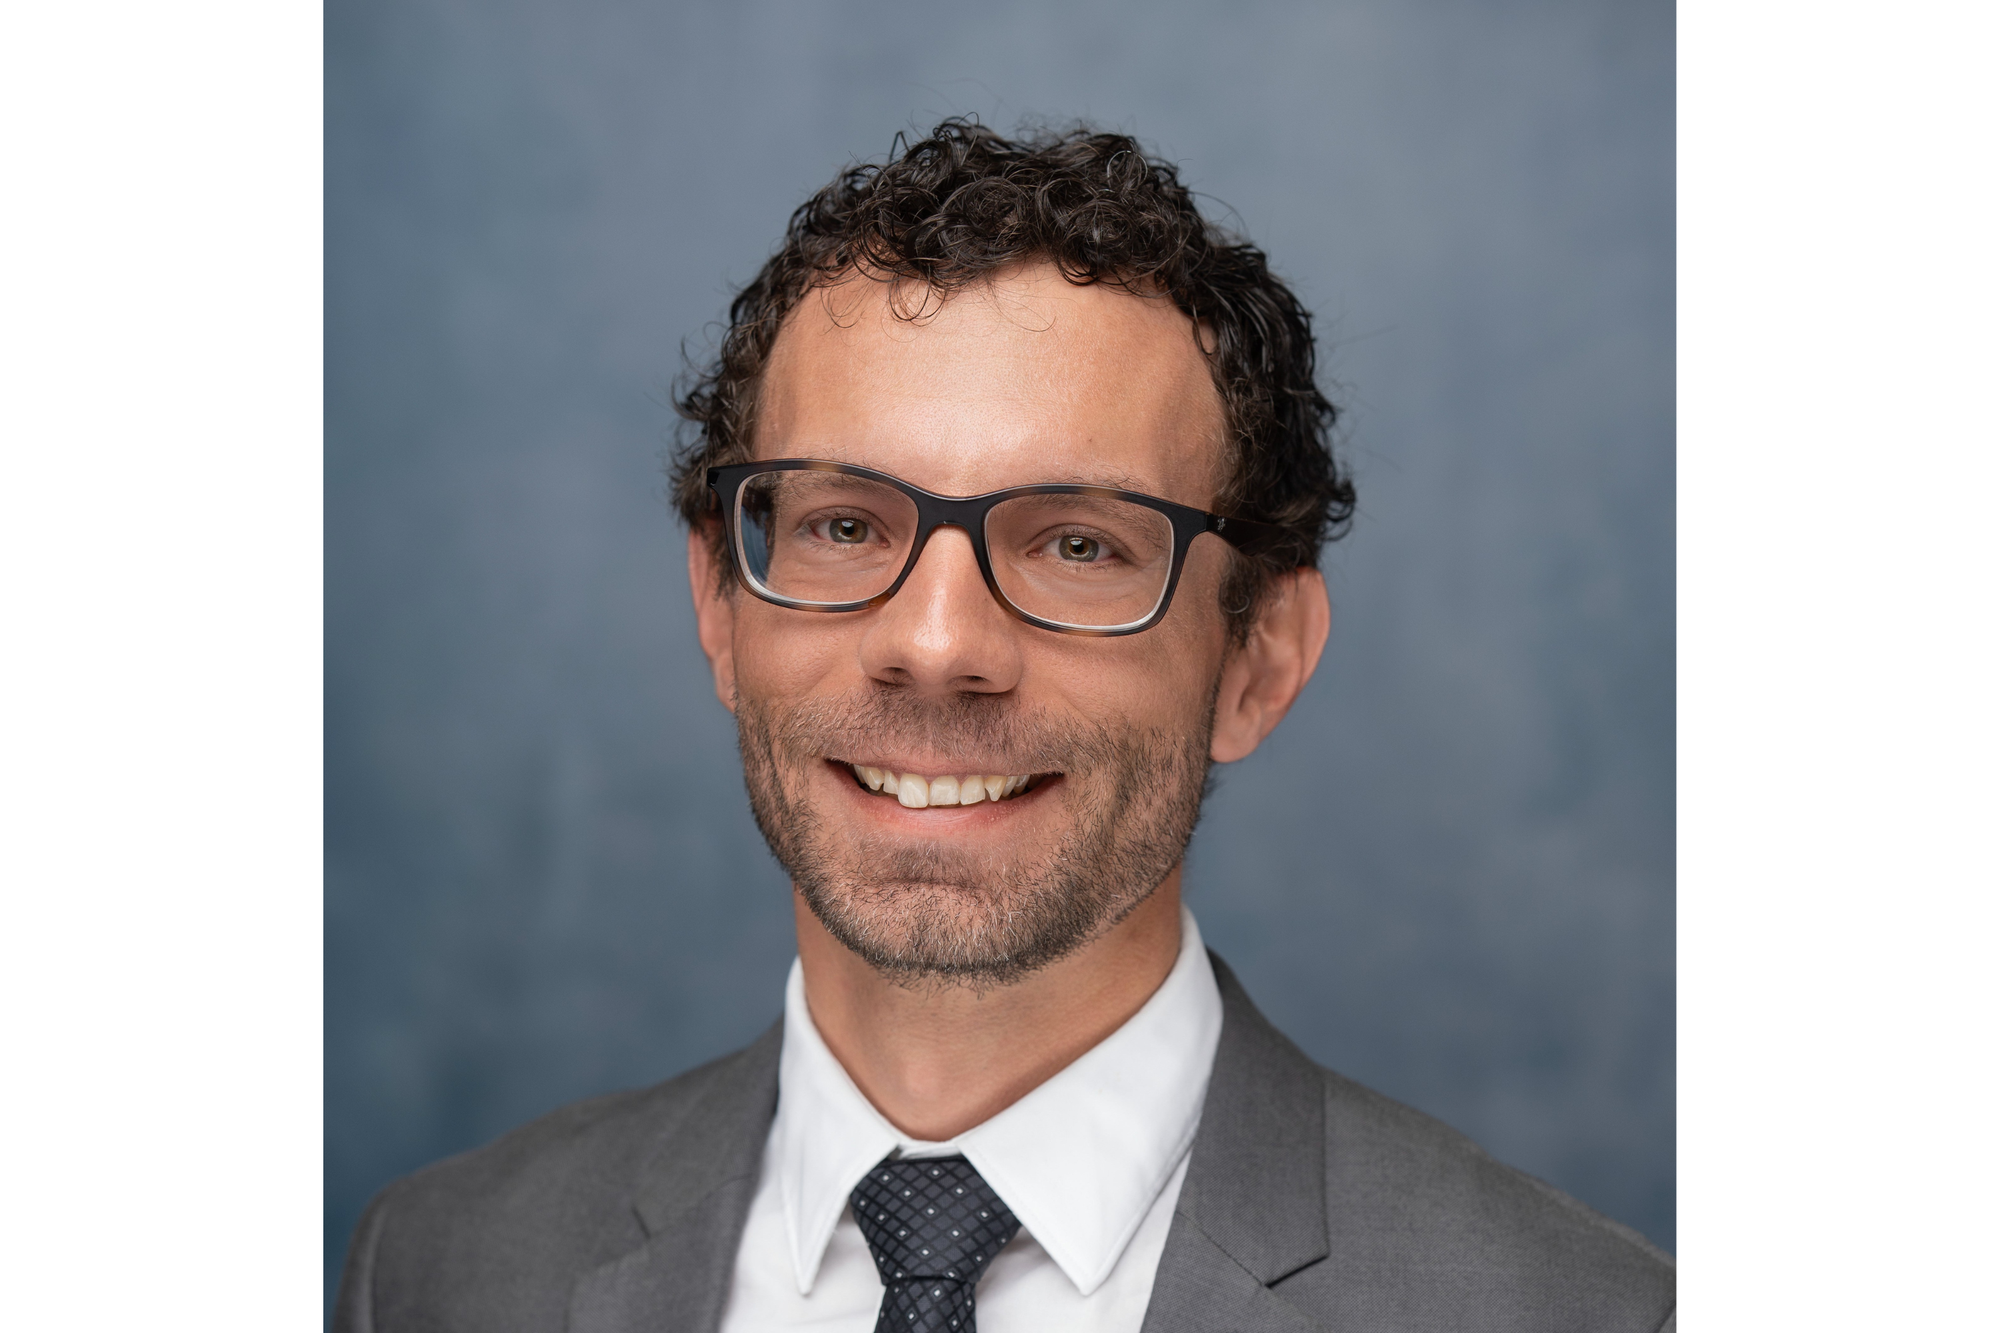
{"points": [[942, 632]]}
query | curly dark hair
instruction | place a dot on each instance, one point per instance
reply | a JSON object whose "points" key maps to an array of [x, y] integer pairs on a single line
{"points": [[966, 203]]}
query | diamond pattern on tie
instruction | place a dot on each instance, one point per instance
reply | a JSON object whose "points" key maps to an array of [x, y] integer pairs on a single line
{"points": [[933, 1225]]}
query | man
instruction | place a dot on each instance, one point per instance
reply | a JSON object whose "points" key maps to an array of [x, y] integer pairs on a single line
{"points": [[1004, 522]]}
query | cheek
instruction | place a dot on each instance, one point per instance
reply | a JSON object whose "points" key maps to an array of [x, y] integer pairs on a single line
{"points": [[1161, 678], [1195, 623], [1193, 639], [1158, 679], [781, 653]]}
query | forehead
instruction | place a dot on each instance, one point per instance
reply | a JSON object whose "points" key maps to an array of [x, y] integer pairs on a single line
{"points": [[1022, 378]]}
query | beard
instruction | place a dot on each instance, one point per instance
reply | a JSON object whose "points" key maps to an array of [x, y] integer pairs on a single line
{"points": [[933, 911]]}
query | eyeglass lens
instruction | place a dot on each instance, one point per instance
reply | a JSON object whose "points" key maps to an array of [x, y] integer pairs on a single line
{"points": [[826, 538]]}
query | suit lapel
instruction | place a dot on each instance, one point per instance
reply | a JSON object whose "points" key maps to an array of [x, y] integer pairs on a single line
{"points": [[692, 1199], [1199, 1288], [1253, 1207]]}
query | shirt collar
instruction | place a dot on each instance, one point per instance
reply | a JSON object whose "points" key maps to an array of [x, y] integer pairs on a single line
{"points": [[1080, 1159]]}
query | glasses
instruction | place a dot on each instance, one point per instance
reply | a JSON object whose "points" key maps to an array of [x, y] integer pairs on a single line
{"points": [[820, 536]]}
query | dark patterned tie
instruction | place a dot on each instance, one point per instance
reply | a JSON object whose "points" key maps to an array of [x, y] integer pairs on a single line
{"points": [[933, 1224]]}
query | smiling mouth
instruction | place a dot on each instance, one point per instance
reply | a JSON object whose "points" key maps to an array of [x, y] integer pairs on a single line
{"points": [[917, 791]]}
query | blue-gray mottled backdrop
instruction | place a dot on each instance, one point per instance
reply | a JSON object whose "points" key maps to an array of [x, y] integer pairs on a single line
{"points": [[1450, 874]]}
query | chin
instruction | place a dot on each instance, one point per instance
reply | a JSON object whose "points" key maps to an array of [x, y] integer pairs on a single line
{"points": [[956, 929]]}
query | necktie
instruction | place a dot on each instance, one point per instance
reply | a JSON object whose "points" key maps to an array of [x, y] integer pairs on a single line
{"points": [[933, 1224]]}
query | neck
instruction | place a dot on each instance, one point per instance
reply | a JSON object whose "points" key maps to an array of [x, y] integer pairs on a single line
{"points": [[936, 1061]]}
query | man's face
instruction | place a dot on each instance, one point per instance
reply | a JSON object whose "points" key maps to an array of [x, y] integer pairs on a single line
{"points": [[1026, 379]]}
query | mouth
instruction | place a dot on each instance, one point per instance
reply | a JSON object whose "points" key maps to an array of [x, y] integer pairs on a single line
{"points": [[918, 791]]}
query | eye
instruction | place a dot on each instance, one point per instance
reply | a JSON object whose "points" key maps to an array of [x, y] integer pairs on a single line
{"points": [[1082, 549], [847, 531]]}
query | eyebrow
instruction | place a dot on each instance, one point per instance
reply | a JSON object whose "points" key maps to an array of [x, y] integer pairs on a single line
{"points": [[1111, 481], [1116, 481]]}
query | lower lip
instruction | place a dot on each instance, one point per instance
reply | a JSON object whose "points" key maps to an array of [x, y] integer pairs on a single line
{"points": [[935, 816]]}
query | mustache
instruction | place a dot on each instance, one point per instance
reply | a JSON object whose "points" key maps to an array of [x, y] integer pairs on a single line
{"points": [[1015, 737]]}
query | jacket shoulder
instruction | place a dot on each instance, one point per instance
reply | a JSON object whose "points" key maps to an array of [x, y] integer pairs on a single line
{"points": [[1359, 1212], [1437, 1234], [495, 1238]]}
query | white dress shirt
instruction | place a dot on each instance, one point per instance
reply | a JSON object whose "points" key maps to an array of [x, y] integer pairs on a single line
{"points": [[1091, 1162]]}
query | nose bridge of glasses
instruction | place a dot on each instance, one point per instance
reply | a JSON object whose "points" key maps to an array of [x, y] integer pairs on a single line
{"points": [[949, 588], [930, 527]]}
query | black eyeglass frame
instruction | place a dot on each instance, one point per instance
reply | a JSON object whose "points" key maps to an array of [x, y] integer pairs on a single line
{"points": [[968, 513]]}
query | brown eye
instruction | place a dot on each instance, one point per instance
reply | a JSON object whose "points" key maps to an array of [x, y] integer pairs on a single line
{"points": [[849, 531], [1078, 548]]}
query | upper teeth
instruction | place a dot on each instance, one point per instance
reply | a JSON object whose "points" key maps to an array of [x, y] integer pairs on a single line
{"points": [[918, 791]]}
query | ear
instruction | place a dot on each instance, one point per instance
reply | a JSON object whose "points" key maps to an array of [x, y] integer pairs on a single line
{"points": [[1262, 678], [714, 612]]}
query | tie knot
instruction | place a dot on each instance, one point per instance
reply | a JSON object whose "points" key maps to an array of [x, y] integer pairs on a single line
{"points": [[931, 1218]]}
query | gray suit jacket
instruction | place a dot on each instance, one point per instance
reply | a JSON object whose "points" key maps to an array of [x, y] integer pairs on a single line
{"points": [[1310, 1203]]}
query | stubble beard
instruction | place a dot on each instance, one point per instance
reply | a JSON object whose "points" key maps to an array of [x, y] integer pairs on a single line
{"points": [[934, 912]]}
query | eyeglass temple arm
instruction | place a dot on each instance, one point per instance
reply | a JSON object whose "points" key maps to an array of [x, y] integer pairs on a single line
{"points": [[1254, 538]]}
